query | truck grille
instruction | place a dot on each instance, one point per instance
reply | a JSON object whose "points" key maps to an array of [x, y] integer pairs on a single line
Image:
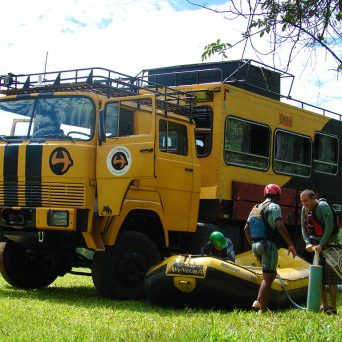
{"points": [[42, 194]]}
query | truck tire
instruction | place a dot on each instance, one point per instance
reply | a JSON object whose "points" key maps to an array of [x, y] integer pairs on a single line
{"points": [[24, 269], [119, 271]]}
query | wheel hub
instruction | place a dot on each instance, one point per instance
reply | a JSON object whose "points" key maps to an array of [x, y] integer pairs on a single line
{"points": [[132, 268]]}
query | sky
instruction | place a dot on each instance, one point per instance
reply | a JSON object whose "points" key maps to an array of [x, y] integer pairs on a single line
{"points": [[128, 36]]}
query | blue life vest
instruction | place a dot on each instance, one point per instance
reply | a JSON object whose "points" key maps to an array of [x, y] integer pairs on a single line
{"points": [[259, 228]]}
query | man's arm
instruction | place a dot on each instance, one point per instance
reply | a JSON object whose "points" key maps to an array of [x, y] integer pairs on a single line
{"points": [[248, 233], [308, 245], [304, 232]]}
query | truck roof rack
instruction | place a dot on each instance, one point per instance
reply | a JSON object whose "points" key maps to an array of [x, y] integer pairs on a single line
{"points": [[100, 81], [247, 74]]}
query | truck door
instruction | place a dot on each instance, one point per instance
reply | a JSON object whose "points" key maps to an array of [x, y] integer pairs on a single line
{"points": [[128, 150], [177, 173]]}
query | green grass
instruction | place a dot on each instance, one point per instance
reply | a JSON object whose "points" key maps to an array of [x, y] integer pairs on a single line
{"points": [[71, 310]]}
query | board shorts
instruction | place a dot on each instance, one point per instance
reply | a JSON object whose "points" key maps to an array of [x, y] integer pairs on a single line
{"points": [[330, 277], [267, 253]]}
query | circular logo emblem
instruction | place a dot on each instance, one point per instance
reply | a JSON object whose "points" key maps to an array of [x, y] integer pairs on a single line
{"points": [[119, 160], [60, 161]]}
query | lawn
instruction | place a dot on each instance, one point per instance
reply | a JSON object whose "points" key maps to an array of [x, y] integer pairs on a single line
{"points": [[71, 310]]}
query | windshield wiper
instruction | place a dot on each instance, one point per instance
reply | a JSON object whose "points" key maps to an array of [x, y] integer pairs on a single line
{"points": [[59, 136], [53, 136]]}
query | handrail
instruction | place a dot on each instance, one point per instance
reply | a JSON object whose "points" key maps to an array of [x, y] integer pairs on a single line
{"points": [[197, 71], [324, 112]]}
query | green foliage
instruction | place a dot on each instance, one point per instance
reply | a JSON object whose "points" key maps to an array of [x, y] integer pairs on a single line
{"points": [[215, 48], [71, 310], [308, 24]]}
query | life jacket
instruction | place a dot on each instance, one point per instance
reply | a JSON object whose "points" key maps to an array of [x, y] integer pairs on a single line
{"points": [[259, 227], [315, 227]]}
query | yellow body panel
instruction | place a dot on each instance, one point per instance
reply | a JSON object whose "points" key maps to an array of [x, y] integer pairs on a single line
{"points": [[216, 174]]}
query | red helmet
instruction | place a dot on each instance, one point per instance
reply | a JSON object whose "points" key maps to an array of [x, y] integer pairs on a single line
{"points": [[272, 189]]}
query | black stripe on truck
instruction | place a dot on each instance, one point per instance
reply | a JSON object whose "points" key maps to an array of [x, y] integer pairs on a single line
{"points": [[11, 175], [33, 173]]}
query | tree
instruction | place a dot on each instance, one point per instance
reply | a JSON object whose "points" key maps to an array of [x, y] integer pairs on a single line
{"points": [[302, 24]]}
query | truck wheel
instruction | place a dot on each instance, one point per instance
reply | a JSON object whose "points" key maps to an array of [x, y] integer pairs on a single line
{"points": [[24, 269], [119, 271]]}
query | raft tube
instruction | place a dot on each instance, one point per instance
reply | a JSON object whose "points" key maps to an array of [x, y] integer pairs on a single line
{"points": [[203, 281]]}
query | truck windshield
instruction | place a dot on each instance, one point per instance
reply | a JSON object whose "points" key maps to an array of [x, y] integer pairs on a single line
{"points": [[55, 118]]}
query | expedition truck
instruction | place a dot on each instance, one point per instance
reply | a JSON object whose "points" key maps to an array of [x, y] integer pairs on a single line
{"points": [[110, 172]]}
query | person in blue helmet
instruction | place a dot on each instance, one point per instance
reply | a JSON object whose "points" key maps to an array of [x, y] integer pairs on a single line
{"points": [[263, 223], [219, 246]]}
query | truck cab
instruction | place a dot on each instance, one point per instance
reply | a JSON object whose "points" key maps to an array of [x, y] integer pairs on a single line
{"points": [[97, 168]]}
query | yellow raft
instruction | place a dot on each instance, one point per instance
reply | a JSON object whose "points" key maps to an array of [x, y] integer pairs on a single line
{"points": [[205, 281]]}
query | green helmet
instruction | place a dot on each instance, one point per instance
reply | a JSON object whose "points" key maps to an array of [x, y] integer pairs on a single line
{"points": [[218, 240]]}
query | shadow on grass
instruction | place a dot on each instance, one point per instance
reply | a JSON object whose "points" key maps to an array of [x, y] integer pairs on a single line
{"points": [[86, 296]]}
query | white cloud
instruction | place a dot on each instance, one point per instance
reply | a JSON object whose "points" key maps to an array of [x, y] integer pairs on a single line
{"points": [[131, 35]]}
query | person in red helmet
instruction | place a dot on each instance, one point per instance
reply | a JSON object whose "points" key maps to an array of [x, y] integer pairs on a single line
{"points": [[263, 223]]}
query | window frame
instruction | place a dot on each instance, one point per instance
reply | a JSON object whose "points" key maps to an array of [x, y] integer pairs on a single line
{"points": [[276, 131], [322, 162], [122, 107], [31, 117], [166, 150], [252, 122], [204, 130]]}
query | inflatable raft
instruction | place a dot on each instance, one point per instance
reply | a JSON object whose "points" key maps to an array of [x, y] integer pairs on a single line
{"points": [[204, 281]]}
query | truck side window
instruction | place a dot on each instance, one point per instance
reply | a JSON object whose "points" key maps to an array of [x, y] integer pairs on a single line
{"points": [[111, 119], [173, 138], [325, 158], [246, 143], [292, 154], [126, 118]]}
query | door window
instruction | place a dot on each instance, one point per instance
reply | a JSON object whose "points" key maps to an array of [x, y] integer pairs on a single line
{"points": [[127, 118], [173, 138]]}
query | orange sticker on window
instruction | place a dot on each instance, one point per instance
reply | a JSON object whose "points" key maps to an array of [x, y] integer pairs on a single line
{"points": [[285, 120]]}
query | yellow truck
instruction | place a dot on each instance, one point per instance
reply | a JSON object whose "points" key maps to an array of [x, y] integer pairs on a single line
{"points": [[103, 171], [97, 168]]}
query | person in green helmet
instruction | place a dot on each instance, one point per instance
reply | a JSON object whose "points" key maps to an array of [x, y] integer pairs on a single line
{"points": [[219, 246]]}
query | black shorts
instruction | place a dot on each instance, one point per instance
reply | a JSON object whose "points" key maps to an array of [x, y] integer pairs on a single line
{"points": [[329, 275]]}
